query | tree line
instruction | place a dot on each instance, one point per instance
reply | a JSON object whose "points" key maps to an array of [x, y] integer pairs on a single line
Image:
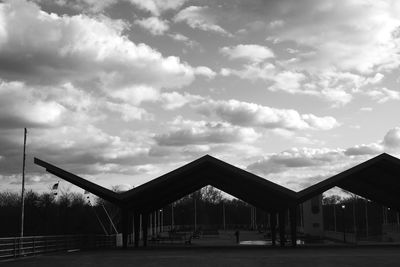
{"points": [[71, 213]]}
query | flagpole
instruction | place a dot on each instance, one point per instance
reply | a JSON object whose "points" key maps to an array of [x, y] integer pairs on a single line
{"points": [[23, 187]]}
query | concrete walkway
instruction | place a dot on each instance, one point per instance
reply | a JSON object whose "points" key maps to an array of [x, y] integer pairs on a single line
{"points": [[221, 256]]}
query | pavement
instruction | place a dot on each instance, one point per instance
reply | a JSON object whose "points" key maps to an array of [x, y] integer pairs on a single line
{"points": [[220, 256], [222, 250]]}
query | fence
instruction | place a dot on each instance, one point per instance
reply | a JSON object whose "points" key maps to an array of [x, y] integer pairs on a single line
{"points": [[340, 236], [13, 247]]}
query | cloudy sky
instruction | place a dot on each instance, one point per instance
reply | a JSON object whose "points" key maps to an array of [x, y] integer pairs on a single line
{"points": [[121, 92]]}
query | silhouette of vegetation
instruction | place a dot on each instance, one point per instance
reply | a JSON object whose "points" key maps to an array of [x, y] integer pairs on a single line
{"points": [[46, 214], [72, 213]]}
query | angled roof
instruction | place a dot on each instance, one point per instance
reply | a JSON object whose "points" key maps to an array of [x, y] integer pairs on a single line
{"points": [[174, 185], [98, 190], [377, 179], [208, 170]]}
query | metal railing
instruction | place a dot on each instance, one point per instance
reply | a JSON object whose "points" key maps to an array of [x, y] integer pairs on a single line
{"points": [[13, 247]]}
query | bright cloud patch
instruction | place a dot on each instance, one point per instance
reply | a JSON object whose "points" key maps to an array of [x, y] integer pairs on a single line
{"points": [[198, 17], [185, 132], [383, 95], [301, 167], [392, 139], [154, 25], [337, 37], [174, 100], [156, 7], [94, 52], [250, 52], [250, 114], [20, 108]]}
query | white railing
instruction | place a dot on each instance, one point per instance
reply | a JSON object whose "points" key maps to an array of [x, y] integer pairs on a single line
{"points": [[13, 247]]}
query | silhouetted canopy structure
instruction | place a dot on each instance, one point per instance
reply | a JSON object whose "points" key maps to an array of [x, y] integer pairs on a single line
{"points": [[205, 171], [172, 186], [377, 179], [93, 188], [178, 183]]}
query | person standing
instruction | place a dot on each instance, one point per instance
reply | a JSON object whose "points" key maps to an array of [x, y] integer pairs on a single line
{"points": [[237, 233]]}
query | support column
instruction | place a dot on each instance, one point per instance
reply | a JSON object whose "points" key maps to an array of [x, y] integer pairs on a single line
{"points": [[293, 225], [136, 226], [272, 223], [282, 216], [125, 227], [145, 225]]}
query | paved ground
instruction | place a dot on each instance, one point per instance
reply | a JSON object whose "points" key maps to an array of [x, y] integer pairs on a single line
{"points": [[220, 256]]}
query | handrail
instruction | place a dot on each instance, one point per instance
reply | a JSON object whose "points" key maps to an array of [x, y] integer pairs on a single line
{"points": [[13, 247]]}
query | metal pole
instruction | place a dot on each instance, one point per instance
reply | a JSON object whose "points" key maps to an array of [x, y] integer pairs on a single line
{"points": [[223, 214], [98, 219], [195, 215], [344, 223], [115, 229], [366, 218], [354, 219], [334, 217], [255, 218], [172, 216], [23, 187], [162, 220], [251, 218], [140, 227]]}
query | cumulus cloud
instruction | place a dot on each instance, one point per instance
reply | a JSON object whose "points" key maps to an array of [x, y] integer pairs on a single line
{"points": [[254, 115], [185, 132], [301, 167], [252, 72], [156, 7], [184, 39], [337, 38], [333, 86], [94, 52], [334, 56], [202, 18], [392, 139], [174, 100], [295, 158], [154, 25], [382, 95], [129, 112], [252, 52], [205, 71], [91, 6], [19, 107], [370, 149], [82, 149], [135, 95]]}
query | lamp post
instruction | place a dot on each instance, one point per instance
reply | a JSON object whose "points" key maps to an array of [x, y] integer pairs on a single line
{"points": [[344, 223], [223, 215], [161, 220]]}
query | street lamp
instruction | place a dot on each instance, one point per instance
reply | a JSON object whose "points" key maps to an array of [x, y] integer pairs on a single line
{"points": [[344, 223]]}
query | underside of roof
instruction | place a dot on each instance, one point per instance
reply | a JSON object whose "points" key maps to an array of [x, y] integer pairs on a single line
{"points": [[93, 188], [187, 179], [377, 179], [210, 171]]}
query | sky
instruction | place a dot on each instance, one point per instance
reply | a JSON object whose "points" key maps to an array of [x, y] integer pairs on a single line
{"points": [[121, 92]]}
